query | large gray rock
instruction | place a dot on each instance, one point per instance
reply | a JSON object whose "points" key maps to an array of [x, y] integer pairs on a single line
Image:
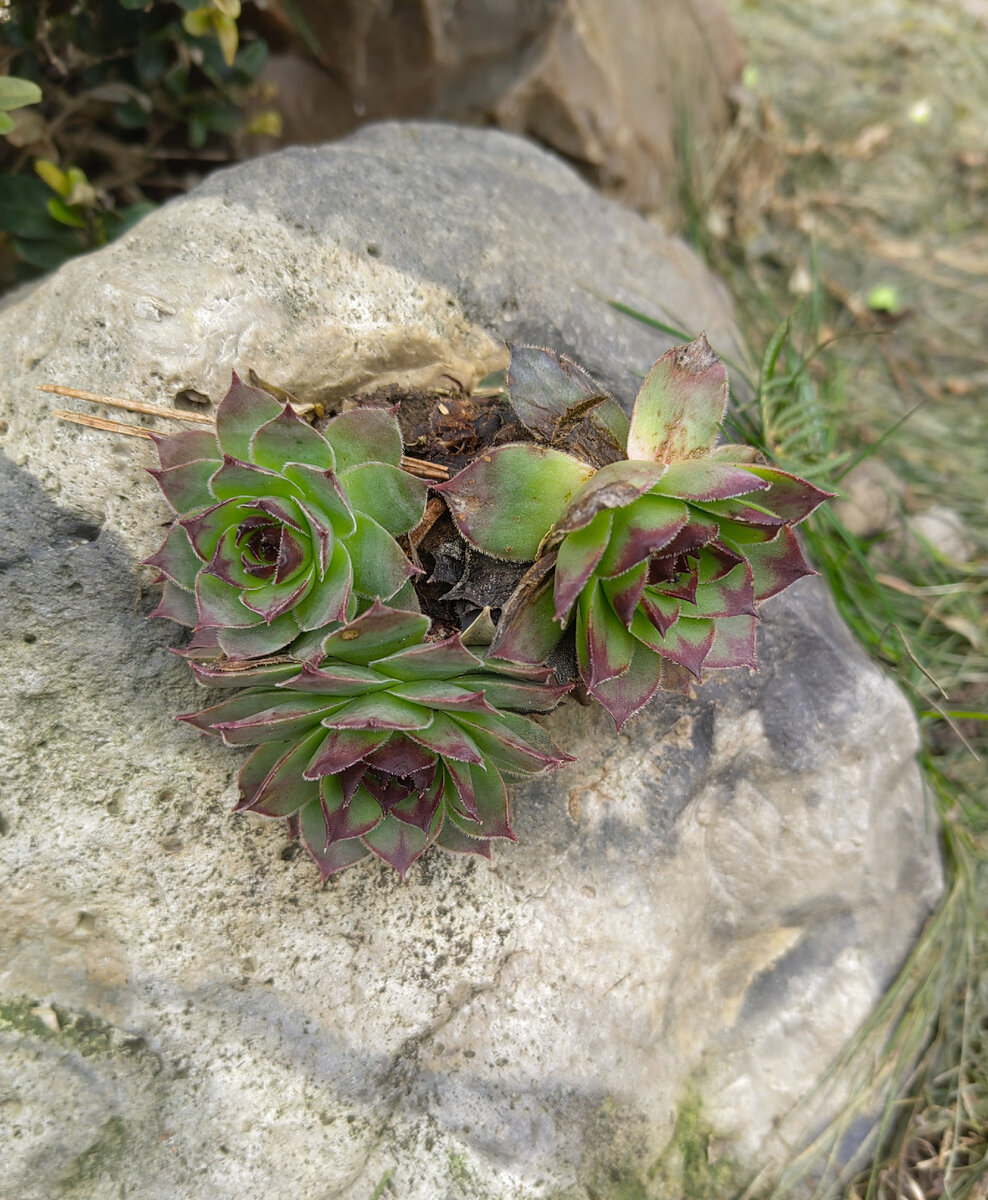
{"points": [[697, 917], [620, 87]]}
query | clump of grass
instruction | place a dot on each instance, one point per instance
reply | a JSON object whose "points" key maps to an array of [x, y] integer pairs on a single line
{"points": [[917, 1074]]}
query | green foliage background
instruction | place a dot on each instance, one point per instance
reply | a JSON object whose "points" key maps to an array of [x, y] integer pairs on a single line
{"points": [[139, 98]]}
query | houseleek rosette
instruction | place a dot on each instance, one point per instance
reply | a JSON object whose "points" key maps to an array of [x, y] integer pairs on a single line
{"points": [[390, 744], [659, 558], [279, 528]]}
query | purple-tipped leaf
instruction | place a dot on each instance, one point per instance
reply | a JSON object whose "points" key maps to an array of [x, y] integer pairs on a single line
{"points": [[401, 756], [527, 632], [680, 406], [609, 645], [242, 411], [630, 692], [285, 790], [545, 386], [237, 480], [207, 529], [336, 856], [186, 446], [333, 679], [451, 837], [396, 843], [777, 563], [341, 749], [448, 738], [731, 596], [518, 695], [177, 559], [662, 611], [625, 591], [350, 820], [687, 643], [286, 718], [788, 496], [615, 486], [734, 643], [579, 554], [186, 487], [647, 525]]}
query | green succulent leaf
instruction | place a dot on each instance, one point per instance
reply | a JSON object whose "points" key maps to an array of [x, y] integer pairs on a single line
{"points": [[286, 438], [258, 640], [377, 633], [365, 435], [327, 602], [680, 406], [700, 479], [433, 660], [505, 503], [392, 497], [379, 566]]}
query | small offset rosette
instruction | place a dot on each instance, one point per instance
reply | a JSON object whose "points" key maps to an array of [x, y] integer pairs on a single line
{"points": [[279, 528], [658, 559], [392, 743]]}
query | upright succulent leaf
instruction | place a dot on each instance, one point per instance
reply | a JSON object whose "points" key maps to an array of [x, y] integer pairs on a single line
{"points": [[680, 406], [376, 753], [268, 542]]}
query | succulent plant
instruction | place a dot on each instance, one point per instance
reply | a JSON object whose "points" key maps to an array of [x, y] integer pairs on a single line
{"points": [[389, 744], [279, 529], [659, 558]]}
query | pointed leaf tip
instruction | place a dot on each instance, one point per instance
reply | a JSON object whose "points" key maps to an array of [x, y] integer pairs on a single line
{"points": [[680, 406]]}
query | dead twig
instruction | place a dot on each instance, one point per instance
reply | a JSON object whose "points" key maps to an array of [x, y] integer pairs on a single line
{"points": [[174, 414], [100, 423]]}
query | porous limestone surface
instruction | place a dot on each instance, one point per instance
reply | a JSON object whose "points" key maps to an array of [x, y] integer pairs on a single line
{"points": [[700, 913]]}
